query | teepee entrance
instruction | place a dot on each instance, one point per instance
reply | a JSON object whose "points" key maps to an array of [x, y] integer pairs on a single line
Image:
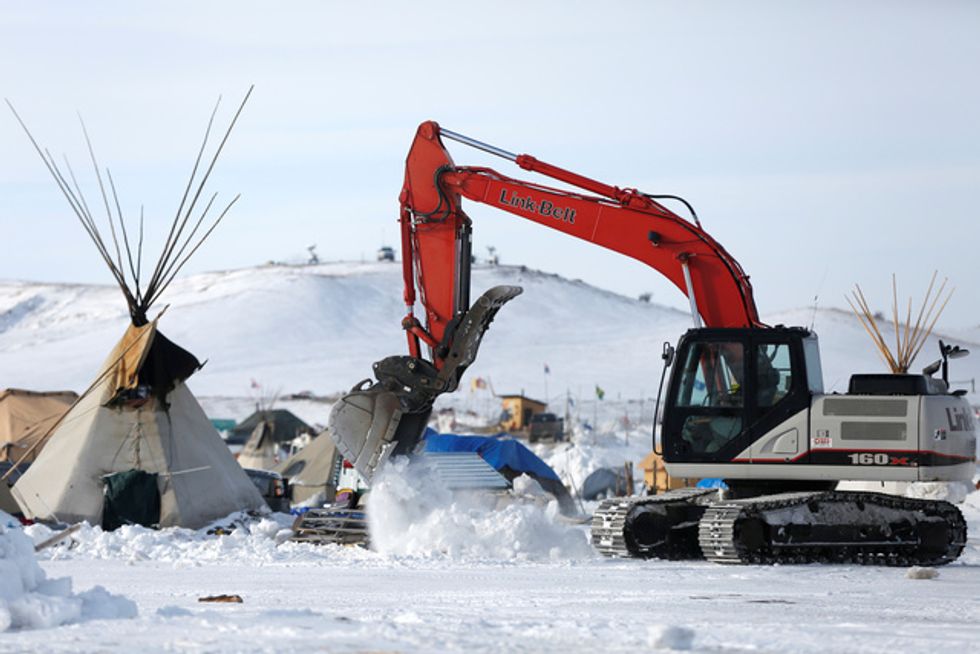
{"points": [[131, 498]]}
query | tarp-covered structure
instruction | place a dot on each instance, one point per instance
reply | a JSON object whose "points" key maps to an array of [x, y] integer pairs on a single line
{"points": [[137, 417], [507, 456], [26, 416], [282, 426], [311, 472]]}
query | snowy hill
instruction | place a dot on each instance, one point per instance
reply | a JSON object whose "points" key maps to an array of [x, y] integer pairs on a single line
{"points": [[319, 328]]}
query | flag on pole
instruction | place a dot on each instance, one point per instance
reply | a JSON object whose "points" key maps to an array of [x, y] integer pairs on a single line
{"points": [[547, 370], [599, 393]]}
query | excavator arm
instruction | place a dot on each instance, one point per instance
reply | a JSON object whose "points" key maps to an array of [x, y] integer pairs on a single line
{"points": [[436, 235], [378, 419]]}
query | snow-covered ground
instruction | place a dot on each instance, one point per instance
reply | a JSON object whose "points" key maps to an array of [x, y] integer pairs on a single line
{"points": [[319, 328], [448, 574], [304, 598]]}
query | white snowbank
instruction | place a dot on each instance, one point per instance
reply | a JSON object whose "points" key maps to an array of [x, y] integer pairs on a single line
{"points": [[239, 540], [29, 600], [670, 637], [412, 513]]}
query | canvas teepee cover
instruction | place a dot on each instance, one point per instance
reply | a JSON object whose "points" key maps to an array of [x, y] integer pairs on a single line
{"points": [[311, 471], [261, 451], [26, 416], [139, 415]]}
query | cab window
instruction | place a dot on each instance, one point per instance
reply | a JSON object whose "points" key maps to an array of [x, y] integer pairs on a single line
{"points": [[774, 373], [712, 376]]}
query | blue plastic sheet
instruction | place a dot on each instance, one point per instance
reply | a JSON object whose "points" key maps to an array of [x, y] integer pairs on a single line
{"points": [[498, 452]]}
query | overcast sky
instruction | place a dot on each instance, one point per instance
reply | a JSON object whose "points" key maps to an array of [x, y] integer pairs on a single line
{"points": [[822, 143]]}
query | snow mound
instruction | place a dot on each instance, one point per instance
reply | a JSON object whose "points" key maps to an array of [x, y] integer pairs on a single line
{"points": [[29, 600], [921, 573], [953, 491], [235, 539], [670, 637], [411, 513]]}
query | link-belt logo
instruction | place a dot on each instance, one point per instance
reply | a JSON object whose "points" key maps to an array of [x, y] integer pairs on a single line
{"points": [[959, 419], [543, 208]]}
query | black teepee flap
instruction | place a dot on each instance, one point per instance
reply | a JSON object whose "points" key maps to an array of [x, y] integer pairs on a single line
{"points": [[166, 365]]}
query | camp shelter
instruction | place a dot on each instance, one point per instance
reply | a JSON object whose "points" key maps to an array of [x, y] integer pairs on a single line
{"points": [[136, 447], [139, 416], [507, 456], [284, 426], [656, 478], [261, 451], [26, 416], [606, 482], [517, 411], [312, 471]]}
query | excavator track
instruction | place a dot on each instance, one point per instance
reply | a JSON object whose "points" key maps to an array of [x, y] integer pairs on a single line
{"points": [[658, 526], [833, 527]]}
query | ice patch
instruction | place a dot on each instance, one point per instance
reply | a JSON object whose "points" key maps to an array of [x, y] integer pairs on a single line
{"points": [[412, 513], [29, 600]]}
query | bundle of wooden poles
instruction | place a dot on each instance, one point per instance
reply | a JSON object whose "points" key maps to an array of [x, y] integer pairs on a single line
{"points": [[909, 336]]}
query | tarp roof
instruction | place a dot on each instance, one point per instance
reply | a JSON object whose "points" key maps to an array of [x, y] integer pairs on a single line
{"points": [[496, 451], [509, 457]]}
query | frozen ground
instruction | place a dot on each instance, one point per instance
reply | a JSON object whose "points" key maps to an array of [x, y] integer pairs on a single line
{"points": [[303, 598]]}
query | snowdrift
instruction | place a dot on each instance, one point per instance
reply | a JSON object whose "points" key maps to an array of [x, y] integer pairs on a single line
{"points": [[29, 600]]}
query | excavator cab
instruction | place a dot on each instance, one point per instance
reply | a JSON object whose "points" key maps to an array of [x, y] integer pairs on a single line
{"points": [[731, 386]]}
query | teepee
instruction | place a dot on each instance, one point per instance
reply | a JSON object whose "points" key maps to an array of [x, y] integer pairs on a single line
{"points": [[136, 447]]}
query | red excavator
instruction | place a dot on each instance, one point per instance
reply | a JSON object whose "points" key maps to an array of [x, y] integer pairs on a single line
{"points": [[745, 401]]}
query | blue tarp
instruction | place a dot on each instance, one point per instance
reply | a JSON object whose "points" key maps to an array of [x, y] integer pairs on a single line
{"points": [[712, 482], [496, 451]]}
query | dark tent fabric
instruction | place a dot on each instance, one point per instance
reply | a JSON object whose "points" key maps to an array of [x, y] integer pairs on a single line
{"points": [[166, 365], [508, 457], [285, 426], [605, 482], [131, 497]]}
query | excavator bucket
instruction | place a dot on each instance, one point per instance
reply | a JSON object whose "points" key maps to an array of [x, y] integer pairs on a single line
{"points": [[388, 417]]}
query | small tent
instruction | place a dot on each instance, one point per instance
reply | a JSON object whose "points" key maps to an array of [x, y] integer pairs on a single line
{"points": [[137, 447], [261, 451], [311, 472], [281, 426], [26, 416]]}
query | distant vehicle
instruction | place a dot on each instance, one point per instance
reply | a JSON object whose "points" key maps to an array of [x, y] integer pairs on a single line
{"points": [[546, 426], [386, 253], [272, 487]]}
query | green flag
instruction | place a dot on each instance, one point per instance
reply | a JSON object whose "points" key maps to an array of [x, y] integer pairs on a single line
{"points": [[599, 393]]}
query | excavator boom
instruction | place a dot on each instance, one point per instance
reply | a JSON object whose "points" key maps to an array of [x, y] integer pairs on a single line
{"points": [[436, 234]]}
